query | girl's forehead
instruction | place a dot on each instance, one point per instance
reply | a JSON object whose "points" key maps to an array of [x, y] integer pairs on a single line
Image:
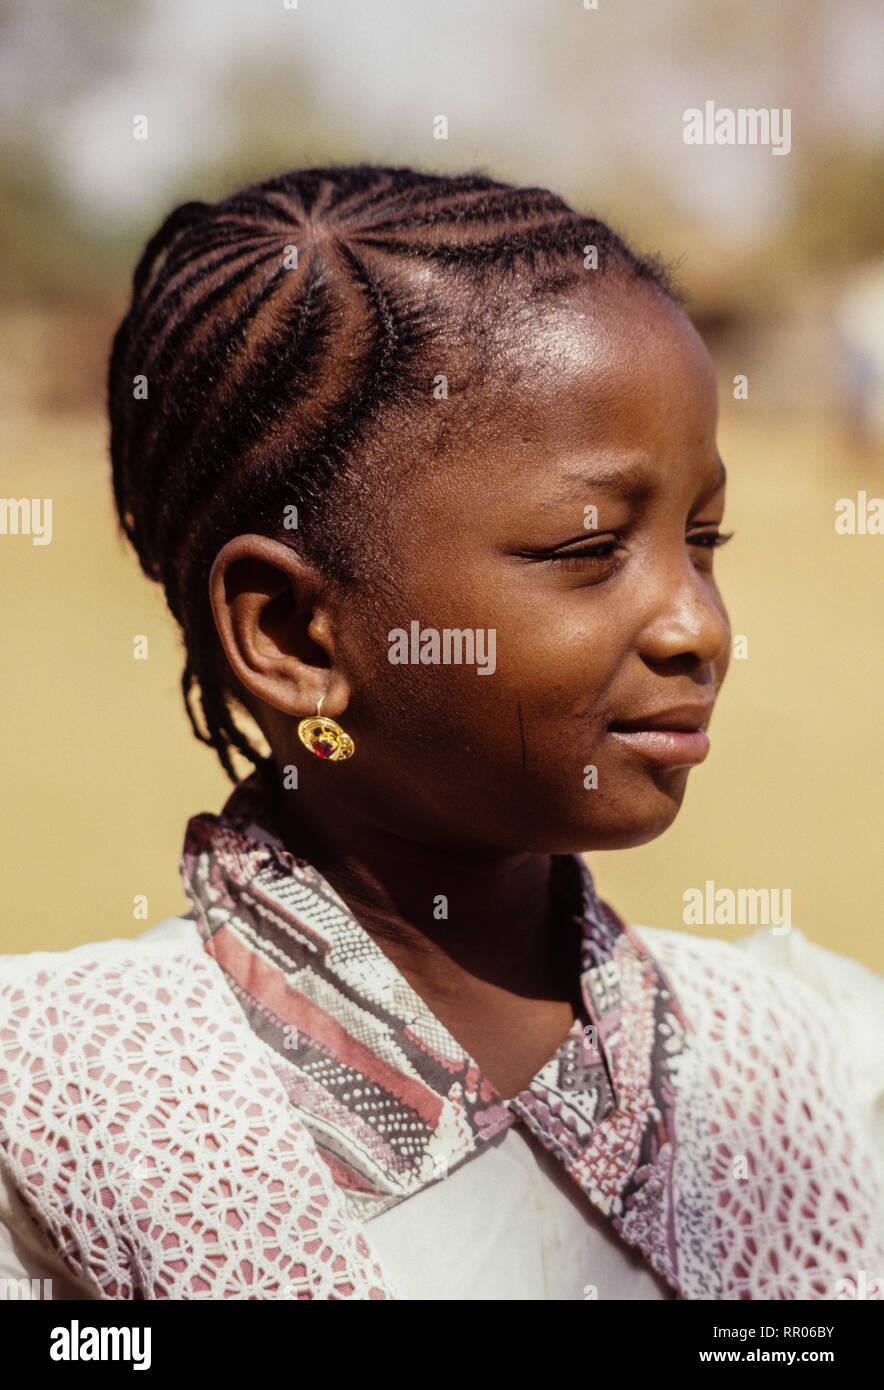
{"points": [[618, 381], [587, 366], [580, 434]]}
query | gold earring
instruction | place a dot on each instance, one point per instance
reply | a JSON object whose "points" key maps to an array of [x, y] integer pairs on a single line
{"points": [[324, 737]]}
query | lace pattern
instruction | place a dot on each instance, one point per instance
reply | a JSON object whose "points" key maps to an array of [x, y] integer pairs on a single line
{"points": [[155, 1145], [147, 1130], [774, 1135]]}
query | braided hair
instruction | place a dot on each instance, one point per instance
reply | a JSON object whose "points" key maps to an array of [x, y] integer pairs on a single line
{"points": [[271, 331]]}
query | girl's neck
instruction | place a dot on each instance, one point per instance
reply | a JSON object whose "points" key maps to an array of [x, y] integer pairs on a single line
{"points": [[451, 923]]}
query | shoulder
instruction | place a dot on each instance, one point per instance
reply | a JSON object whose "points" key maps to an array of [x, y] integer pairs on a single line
{"points": [[738, 1005], [61, 1010], [164, 948], [131, 1087], [764, 969], [759, 969], [780, 1004], [779, 1108], [762, 987], [177, 933]]}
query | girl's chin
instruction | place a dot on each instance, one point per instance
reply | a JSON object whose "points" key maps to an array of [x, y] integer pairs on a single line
{"points": [[625, 828]]}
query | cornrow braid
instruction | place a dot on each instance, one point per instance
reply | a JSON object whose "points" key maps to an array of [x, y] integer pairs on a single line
{"points": [[243, 314]]}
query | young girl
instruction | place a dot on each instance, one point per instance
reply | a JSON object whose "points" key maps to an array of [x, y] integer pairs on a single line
{"points": [[427, 469]]}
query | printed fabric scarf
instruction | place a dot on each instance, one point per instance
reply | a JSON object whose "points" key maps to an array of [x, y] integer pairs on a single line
{"points": [[392, 1100]]}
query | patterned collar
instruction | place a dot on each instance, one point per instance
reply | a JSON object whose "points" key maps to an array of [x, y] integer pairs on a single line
{"points": [[392, 1099]]}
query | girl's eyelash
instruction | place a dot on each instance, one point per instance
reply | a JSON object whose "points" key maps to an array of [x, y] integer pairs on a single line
{"points": [[713, 539], [602, 550]]}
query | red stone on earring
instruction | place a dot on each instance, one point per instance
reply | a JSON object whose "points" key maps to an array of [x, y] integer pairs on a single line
{"points": [[322, 748]]}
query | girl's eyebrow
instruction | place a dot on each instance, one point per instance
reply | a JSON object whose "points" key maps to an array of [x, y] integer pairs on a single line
{"points": [[630, 480]]}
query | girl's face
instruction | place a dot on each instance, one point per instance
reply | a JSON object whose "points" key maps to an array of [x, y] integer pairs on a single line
{"points": [[599, 617]]}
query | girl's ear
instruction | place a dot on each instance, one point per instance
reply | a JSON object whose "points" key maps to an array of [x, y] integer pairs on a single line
{"points": [[274, 624]]}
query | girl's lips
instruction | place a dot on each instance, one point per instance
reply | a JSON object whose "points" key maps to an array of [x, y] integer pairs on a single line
{"points": [[675, 747]]}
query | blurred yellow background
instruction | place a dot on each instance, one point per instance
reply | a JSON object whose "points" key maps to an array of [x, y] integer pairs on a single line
{"points": [[781, 256]]}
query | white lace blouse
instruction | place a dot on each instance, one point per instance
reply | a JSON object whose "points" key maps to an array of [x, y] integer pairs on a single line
{"points": [[507, 1223]]}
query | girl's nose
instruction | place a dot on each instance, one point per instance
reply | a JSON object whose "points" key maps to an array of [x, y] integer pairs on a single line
{"points": [[687, 619]]}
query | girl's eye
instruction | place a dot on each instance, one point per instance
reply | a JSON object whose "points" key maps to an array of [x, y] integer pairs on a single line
{"points": [[597, 553], [711, 539], [601, 550]]}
